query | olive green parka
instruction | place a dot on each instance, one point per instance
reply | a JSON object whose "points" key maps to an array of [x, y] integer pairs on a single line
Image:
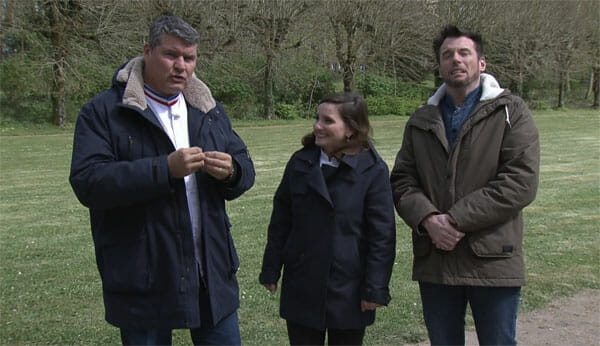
{"points": [[483, 182]]}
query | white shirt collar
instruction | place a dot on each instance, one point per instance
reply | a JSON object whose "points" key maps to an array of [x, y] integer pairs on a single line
{"points": [[324, 160]]}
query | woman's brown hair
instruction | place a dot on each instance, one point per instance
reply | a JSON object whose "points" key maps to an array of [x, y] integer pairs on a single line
{"points": [[353, 110]]}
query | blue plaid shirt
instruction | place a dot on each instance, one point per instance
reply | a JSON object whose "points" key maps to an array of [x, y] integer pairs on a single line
{"points": [[455, 117]]}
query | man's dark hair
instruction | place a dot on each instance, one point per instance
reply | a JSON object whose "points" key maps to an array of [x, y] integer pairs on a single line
{"points": [[174, 26], [453, 31]]}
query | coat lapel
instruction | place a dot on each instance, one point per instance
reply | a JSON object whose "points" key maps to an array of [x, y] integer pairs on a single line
{"points": [[195, 126], [310, 167]]}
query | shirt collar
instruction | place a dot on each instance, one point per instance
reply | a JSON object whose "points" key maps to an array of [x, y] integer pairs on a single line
{"points": [[166, 101], [471, 99], [324, 160]]}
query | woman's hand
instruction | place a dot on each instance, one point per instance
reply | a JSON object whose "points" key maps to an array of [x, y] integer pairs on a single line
{"points": [[365, 305], [271, 287]]}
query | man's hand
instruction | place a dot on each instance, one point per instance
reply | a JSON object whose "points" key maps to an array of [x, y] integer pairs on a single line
{"points": [[442, 230], [218, 164], [185, 161]]}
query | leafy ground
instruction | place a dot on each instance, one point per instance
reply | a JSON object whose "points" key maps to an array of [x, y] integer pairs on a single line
{"points": [[50, 289]]}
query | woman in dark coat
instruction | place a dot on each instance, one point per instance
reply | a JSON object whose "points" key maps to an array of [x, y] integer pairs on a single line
{"points": [[332, 229]]}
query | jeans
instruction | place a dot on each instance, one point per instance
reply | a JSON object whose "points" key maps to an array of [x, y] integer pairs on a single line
{"points": [[494, 312], [226, 332]]}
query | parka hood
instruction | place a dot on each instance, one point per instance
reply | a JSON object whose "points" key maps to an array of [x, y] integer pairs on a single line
{"points": [[490, 89], [196, 93]]}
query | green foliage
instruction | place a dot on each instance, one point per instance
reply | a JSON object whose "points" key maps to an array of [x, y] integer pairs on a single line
{"points": [[25, 90], [24, 93], [286, 111], [236, 95], [386, 95], [306, 83], [538, 105], [387, 105], [372, 84], [369, 84]]}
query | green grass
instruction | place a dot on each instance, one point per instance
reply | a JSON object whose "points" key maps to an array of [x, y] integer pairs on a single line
{"points": [[50, 288]]}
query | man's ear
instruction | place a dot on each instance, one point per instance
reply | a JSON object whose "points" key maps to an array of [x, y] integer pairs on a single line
{"points": [[146, 49], [482, 64]]}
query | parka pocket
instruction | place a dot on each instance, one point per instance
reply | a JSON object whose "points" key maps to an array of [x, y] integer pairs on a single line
{"points": [[126, 265], [497, 242], [129, 147], [234, 261]]}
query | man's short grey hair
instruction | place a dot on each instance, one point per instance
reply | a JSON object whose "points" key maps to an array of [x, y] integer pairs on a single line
{"points": [[174, 26]]}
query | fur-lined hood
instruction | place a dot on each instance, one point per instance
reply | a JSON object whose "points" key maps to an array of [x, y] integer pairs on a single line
{"points": [[196, 93], [490, 89]]}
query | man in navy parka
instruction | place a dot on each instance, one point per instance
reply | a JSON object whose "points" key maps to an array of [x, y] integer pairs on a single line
{"points": [[154, 159]]}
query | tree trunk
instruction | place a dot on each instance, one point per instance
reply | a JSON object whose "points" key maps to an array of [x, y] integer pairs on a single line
{"points": [[596, 87], [59, 45], [348, 78], [350, 57], [561, 90], [590, 86], [58, 94], [7, 16], [520, 83], [269, 98]]}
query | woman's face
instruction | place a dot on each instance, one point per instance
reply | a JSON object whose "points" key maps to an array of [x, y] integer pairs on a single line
{"points": [[330, 130]]}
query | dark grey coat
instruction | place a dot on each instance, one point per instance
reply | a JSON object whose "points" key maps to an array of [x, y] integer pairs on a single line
{"points": [[139, 216], [336, 245]]}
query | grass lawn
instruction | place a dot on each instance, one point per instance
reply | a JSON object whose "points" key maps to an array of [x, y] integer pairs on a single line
{"points": [[50, 287]]}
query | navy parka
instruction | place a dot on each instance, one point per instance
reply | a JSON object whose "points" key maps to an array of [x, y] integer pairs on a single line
{"points": [[336, 242], [139, 215]]}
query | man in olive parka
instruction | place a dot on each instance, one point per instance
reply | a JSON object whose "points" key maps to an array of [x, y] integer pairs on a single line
{"points": [[468, 165]]}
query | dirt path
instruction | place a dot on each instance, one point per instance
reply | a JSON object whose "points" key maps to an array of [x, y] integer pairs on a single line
{"points": [[568, 321]]}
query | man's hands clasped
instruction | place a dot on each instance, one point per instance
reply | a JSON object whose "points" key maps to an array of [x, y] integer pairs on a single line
{"points": [[442, 230], [186, 161]]}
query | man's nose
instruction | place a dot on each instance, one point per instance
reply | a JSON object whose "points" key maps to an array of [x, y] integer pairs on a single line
{"points": [[179, 63], [456, 57]]}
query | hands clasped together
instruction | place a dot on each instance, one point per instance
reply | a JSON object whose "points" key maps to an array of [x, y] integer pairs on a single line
{"points": [[186, 161], [442, 230]]}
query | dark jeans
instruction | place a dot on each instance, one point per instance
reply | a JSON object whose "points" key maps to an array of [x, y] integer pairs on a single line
{"points": [[226, 332], [494, 312], [301, 335]]}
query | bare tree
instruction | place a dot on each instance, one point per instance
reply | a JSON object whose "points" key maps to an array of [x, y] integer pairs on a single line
{"points": [[401, 45], [64, 24], [270, 22], [353, 23]]}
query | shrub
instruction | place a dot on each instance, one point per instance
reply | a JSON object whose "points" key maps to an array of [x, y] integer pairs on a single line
{"points": [[235, 94], [24, 93], [388, 105], [286, 111], [538, 105], [385, 95], [370, 84], [305, 83]]}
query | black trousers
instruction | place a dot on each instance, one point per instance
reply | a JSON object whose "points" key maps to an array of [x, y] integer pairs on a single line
{"points": [[301, 335]]}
